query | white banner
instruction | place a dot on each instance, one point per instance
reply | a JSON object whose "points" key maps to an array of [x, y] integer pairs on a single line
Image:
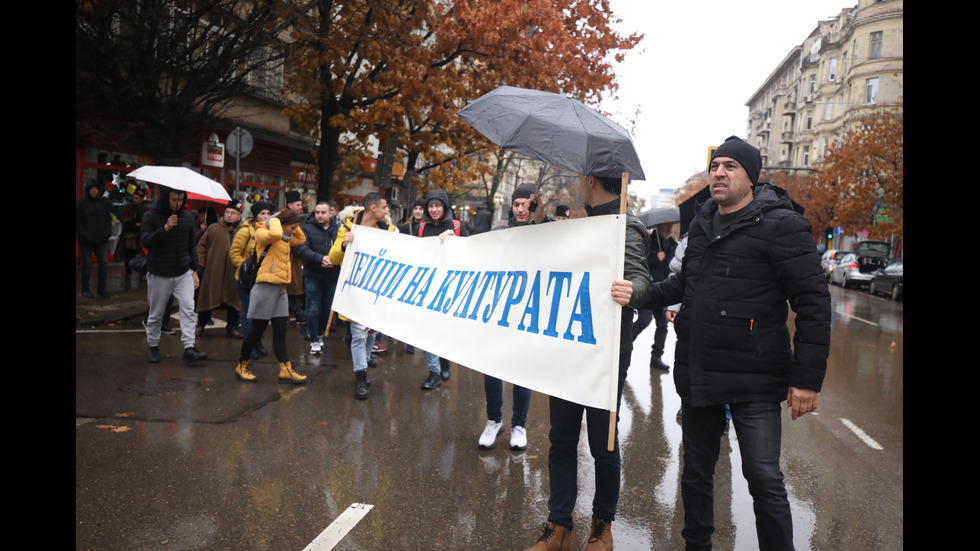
{"points": [[531, 305]]}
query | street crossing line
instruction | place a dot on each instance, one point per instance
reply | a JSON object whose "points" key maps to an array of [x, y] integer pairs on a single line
{"points": [[861, 434], [855, 317], [339, 528]]}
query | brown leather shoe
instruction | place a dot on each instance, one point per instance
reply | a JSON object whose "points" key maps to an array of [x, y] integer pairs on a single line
{"points": [[600, 538], [554, 538]]}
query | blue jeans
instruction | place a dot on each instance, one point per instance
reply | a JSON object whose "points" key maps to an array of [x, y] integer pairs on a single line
{"points": [[244, 297], [361, 342], [566, 424], [433, 362], [494, 388], [318, 300], [759, 429]]}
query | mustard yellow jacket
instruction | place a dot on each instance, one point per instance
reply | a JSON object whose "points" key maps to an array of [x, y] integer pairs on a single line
{"points": [[243, 244], [337, 250], [276, 267]]}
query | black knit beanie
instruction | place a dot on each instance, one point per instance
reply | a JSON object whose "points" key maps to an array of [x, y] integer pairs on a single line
{"points": [[748, 156], [523, 191]]}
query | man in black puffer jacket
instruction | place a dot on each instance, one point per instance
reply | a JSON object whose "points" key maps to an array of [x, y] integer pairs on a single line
{"points": [[167, 234], [748, 253], [93, 224], [319, 274]]}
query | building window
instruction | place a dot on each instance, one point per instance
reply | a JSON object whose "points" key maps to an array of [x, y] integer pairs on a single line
{"points": [[806, 155], [829, 111], [843, 63], [871, 91], [832, 76], [813, 84], [809, 120], [875, 50]]}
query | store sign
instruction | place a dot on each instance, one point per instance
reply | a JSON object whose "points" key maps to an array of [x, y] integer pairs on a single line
{"points": [[213, 154]]}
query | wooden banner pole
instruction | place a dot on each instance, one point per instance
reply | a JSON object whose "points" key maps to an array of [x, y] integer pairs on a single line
{"points": [[611, 444]]}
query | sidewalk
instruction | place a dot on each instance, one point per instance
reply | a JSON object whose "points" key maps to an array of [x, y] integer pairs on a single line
{"points": [[128, 298]]}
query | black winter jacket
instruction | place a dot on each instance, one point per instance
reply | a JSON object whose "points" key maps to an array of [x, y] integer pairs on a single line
{"points": [[93, 222], [733, 343], [634, 268], [432, 228], [169, 253], [319, 239]]}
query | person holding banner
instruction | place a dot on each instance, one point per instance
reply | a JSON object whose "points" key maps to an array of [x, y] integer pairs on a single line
{"points": [[601, 196], [362, 339], [524, 196], [439, 222]]}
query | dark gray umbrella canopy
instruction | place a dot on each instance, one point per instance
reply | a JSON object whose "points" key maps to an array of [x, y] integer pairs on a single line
{"points": [[554, 129], [652, 217]]}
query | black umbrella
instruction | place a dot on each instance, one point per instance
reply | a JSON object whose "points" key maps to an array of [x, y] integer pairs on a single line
{"points": [[653, 217], [554, 129]]}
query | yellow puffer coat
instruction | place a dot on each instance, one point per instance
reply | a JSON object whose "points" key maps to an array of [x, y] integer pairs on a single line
{"points": [[276, 266], [243, 244], [337, 250]]}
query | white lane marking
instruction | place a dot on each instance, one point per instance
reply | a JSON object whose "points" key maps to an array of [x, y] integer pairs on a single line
{"points": [[855, 317], [332, 535], [861, 434]]}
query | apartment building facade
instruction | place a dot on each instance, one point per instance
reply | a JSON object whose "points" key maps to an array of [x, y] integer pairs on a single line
{"points": [[847, 66]]}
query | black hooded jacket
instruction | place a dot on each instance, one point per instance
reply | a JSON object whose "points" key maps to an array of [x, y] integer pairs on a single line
{"points": [[434, 228], [93, 222], [733, 344], [169, 253]]}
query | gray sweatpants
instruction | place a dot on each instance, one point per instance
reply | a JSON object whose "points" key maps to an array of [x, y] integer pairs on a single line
{"points": [[158, 291]]}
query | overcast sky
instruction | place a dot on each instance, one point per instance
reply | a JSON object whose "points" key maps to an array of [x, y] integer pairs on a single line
{"points": [[697, 65]]}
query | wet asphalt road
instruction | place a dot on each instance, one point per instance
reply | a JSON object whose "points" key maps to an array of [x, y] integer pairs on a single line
{"points": [[185, 458]]}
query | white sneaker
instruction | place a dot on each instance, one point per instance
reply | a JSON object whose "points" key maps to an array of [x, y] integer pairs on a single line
{"points": [[518, 438], [490, 434], [316, 346]]}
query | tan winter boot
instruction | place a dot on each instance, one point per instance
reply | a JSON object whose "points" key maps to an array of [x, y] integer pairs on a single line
{"points": [[287, 375], [600, 538], [243, 373], [554, 538]]}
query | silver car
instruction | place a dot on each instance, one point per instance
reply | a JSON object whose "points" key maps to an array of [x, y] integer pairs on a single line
{"points": [[856, 269], [829, 260]]}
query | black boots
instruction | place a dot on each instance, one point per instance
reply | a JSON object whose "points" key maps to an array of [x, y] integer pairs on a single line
{"points": [[360, 386]]}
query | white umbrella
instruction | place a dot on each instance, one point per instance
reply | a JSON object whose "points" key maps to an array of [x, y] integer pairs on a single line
{"points": [[184, 179]]}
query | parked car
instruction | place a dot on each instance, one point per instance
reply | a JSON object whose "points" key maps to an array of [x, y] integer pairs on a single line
{"points": [[856, 269], [829, 260], [875, 248], [889, 281]]}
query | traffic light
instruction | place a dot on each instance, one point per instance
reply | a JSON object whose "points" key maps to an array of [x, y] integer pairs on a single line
{"points": [[829, 234]]}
